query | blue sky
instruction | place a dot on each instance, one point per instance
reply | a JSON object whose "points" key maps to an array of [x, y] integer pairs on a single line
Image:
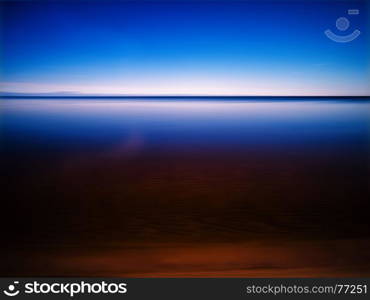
{"points": [[183, 48]]}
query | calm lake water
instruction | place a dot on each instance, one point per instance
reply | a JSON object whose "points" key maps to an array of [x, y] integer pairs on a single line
{"points": [[185, 187]]}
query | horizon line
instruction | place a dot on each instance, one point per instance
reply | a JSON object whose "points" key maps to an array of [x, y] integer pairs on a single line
{"points": [[179, 96]]}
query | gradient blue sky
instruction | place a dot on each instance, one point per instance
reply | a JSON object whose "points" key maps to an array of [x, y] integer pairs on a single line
{"points": [[183, 48]]}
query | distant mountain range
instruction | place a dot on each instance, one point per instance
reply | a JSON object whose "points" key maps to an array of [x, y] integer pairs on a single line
{"points": [[14, 94]]}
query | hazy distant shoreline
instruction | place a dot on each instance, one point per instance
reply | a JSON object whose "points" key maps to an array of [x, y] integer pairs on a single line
{"points": [[140, 97]]}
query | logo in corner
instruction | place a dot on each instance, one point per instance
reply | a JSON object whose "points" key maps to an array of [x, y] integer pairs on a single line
{"points": [[12, 291], [343, 24]]}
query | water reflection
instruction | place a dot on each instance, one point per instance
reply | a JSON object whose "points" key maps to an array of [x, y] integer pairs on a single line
{"points": [[152, 187], [216, 123]]}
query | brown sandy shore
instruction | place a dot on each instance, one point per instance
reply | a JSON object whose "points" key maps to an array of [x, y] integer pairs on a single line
{"points": [[338, 258], [189, 214]]}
